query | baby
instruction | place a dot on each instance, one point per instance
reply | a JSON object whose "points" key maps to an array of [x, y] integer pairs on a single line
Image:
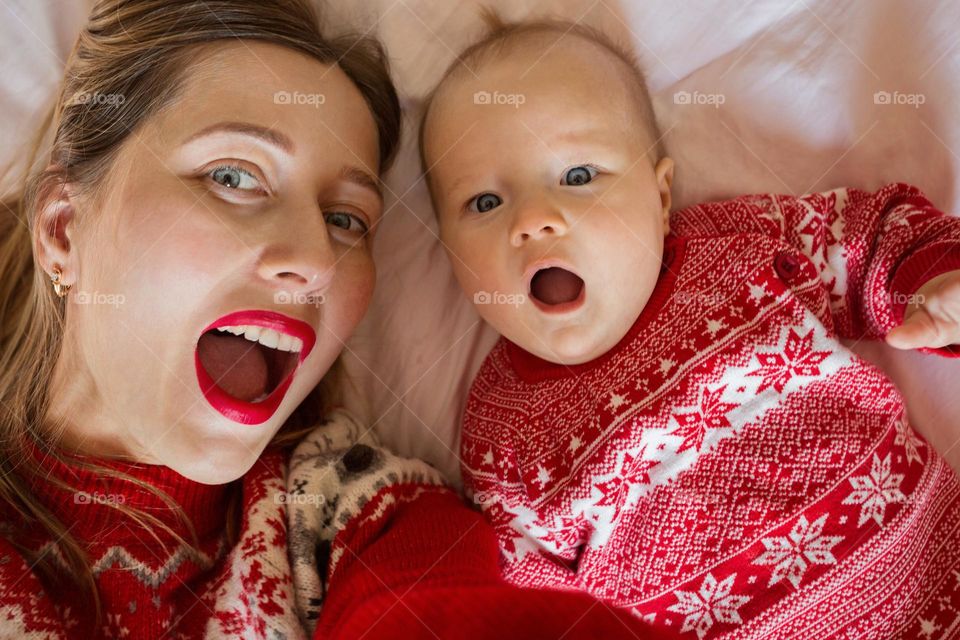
{"points": [[670, 421]]}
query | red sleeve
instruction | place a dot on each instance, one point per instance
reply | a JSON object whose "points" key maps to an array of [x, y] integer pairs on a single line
{"points": [[873, 250], [420, 564]]}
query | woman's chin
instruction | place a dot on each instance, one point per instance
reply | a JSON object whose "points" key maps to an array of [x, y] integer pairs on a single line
{"points": [[211, 455], [216, 469]]}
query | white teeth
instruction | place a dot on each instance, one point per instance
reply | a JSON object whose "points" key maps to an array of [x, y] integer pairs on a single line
{"points": [[266, 337], [293, 345], [269, 338]]}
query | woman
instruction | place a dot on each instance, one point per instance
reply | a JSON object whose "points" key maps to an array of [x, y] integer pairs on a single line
{"points": [[175, 285]]}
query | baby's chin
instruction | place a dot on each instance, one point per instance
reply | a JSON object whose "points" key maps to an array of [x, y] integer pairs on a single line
{"points": [[571, 345], [565, 344], [580, 337]]}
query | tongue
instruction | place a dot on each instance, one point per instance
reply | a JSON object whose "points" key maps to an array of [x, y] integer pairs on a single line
{"points": [[236, 365], [555, 286]]}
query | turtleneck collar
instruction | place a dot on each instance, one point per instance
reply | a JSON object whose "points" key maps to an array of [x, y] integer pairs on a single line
{"points": [[87, 508]]}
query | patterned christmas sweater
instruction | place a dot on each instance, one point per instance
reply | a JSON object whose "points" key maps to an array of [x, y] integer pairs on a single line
{"points": [[391, 542], [153, 587], [730, 469]]}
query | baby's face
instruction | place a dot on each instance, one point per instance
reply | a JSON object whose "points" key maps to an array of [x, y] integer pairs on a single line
{"points": [[550, 210]]}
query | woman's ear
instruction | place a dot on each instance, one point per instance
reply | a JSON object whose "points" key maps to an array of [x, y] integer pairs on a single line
{"points": [[54, 228], [664, 173]]}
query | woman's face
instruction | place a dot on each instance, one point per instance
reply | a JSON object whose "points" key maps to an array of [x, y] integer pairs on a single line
{"points": [[246, 206]]}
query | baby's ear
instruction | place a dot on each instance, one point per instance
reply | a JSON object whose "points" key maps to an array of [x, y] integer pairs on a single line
{"points": [[664, 173]]}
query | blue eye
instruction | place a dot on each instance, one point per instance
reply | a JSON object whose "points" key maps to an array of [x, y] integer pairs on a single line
{"points": [[579, 175], [233, 177], [485, 202], [346, 221]]}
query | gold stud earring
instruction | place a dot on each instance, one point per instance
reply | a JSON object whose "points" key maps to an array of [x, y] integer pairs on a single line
{"points": [[60, 289]]}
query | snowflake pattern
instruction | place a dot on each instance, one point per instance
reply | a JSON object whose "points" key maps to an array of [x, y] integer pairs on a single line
{"points": [[711, 414], [820, 227], [616, 401], [114, 628], [565, 534], [713, 602], [791, 555], [796, 359], [875, 491], [633, 471], [908, 438]]}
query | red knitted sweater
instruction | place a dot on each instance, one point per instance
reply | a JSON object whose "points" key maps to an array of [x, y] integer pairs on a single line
{"points": [[153, 587], [416, 563], [730, 467]]}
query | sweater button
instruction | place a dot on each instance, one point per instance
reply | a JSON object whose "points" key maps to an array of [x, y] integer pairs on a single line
{"points": [[786, 265], [358, 458]]}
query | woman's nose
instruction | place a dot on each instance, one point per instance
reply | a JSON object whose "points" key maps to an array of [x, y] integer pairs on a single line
{"points": [[535, 221], [300, 260]]}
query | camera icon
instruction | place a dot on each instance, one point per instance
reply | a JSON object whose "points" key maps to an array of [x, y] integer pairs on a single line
{"points": [[281, 97], [482, 297], [882, 97], [482, 97], [682, 97], [484, 498]]}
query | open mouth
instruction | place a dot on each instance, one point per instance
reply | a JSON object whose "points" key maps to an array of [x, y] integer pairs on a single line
{"points": [[246, 361], [555, 289], [242, 362]]}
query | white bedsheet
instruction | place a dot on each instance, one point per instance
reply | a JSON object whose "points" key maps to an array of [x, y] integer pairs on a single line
{"points": [[798, 81]]}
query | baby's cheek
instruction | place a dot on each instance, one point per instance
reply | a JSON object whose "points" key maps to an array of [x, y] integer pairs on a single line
{"points": [[475, 271], [504, 318]]}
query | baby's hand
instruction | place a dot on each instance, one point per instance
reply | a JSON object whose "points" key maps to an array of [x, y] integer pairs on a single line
{"points": [[932, 319]]}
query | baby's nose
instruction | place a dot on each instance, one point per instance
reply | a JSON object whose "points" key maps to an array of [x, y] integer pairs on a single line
{"points": [[536, 223]]}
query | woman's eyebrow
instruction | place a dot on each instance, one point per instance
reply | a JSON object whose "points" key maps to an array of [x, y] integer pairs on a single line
{"points": [[271, 136], [352, 174], [364, 179]]}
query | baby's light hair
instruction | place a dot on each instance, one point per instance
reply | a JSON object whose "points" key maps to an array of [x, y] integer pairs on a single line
{"points": [[500, 34]]}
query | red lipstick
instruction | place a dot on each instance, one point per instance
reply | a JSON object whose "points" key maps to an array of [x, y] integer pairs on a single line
{"points": [[253, 413]]}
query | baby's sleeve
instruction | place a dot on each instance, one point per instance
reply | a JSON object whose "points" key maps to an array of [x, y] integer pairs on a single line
{"points": [[873, 251]]}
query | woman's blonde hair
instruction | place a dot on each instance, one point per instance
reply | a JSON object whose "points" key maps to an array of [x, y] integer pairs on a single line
{"points": [[141, 50]]}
